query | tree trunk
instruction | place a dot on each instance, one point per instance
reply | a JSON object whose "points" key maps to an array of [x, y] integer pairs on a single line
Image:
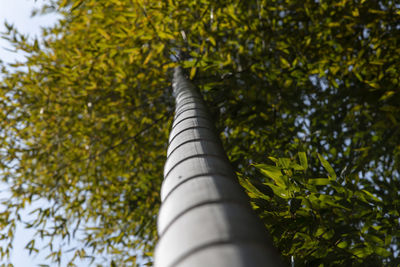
{"points": [[205, 219]]}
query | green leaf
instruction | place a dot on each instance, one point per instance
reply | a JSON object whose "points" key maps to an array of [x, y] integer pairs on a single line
{"points": [[280, 191], [189, 63], [319, 181], [275, 160], [250, 188], [272, 172], [382, 251], [303, 160], [362, 252], [370, 196], [296, 167], [343, 244], [284, 163], [376, 239], [328, 167]]}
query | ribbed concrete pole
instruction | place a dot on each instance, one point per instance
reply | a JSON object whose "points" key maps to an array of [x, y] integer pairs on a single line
{"points": [[205, 218]]}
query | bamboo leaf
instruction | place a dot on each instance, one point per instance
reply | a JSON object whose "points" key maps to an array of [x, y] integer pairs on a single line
{"points": [[272, 172], [328, 167], [303, 160]]}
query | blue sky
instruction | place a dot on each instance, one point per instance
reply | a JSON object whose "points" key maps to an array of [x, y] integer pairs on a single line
{"points": [[18, 12]]}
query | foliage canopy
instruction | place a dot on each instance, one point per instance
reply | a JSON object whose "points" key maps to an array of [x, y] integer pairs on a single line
{"points": [[85, 120]]}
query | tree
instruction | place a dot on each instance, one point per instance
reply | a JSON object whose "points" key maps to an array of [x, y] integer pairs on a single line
{"points": [[85, 121], [204, 212]]}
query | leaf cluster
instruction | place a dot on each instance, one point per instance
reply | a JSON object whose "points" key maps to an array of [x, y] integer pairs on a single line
{"points": [[84, 120], [322, 221]]}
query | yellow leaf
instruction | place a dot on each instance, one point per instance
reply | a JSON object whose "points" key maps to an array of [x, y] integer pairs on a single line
{"points": [[148, 58], [334, 69], [103, 33], [386, 95], [164, 35], [375, 11], [64, 3], [77, 3], [212, 40], [160, 48], [372, 84], [308, 41], [334, 83], [288, 83], [380, 63], [169, 66], [285, 63], [333, 24], [192, 72]]}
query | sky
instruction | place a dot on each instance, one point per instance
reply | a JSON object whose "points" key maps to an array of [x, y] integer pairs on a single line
{"points": [[18, 13]]}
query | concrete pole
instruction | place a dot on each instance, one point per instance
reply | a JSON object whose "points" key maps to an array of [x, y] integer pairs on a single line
{"points": [[205, 218]]}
